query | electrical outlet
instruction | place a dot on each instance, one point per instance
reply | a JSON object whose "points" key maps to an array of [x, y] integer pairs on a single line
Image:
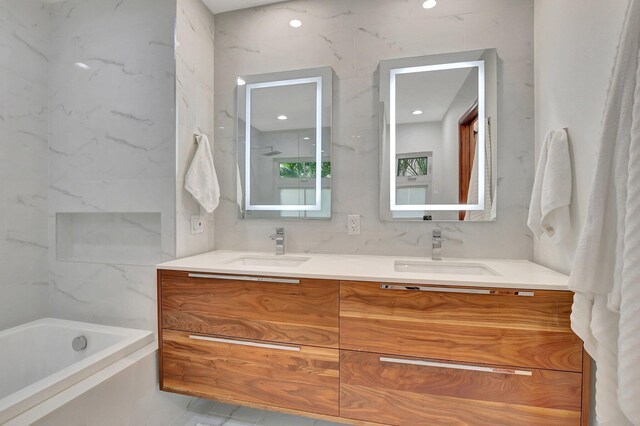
{"points": [[197, 226], [353, 223]]}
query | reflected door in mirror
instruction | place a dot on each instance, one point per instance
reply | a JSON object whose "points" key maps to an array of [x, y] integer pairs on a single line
{"points": [[468, 137]]}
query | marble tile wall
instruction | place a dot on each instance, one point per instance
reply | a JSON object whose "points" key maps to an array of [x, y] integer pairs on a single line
{"points": [[353, 36], [24, 33], [194, 99], [111, 146]]}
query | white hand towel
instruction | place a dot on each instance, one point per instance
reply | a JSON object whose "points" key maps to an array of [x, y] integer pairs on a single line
{"points": [[606, 271], [202, 180], [239, 194], [551, 196]]}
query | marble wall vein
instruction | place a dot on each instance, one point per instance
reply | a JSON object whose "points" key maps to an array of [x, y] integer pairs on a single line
{"points": [[111, 146], [24, 30], [353, 36]]}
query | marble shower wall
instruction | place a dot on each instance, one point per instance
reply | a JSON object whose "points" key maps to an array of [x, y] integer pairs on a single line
{"points": [[111, 149], [353, 36], [194, 98], [24, 33]]}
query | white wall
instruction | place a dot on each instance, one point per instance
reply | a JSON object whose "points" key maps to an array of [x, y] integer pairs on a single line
{"points": [[194, 97], [575, 46], [352, 37], [24, 30], [418, 137]]}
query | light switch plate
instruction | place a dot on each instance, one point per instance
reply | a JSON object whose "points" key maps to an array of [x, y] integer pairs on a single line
{"points": [[197, 226]]}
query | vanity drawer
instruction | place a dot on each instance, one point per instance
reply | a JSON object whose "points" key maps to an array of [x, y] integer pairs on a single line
{"points": [[407, 391], [294, 377], [286, 310], [488, 326]]}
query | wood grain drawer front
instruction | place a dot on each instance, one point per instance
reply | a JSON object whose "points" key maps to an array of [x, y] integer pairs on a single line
{"points": [[527, 329], [281, 310], [405, 391], [295, 377]]}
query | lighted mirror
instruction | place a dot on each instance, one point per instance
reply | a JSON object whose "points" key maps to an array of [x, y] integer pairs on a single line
{"points": [[438, 137], [284, 145]]}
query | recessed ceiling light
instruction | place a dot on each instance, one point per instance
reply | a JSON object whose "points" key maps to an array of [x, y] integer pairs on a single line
{"points": [[241, 81], [306, 138], [295, 23], [82, 65], [282, 117], [417, 112], [429, 4]]}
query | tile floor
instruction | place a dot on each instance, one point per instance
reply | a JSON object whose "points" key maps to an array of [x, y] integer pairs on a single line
{"points": [[209, 413]]}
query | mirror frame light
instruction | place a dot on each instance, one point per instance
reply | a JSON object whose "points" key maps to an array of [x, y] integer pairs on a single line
{"points": [[394, 72], [284, 207]]}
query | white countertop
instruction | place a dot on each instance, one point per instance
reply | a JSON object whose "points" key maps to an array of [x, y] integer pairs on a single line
{"points": [[517, 274]]}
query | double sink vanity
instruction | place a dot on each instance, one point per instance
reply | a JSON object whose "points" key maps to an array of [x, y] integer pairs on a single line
{"points": [[374, 339]]}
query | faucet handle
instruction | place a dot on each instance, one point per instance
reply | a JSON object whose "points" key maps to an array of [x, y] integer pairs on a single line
{"points": [[279, 233]]}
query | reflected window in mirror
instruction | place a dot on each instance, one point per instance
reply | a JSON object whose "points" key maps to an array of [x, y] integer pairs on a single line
{"points": [[296, 186], [413, 182]]}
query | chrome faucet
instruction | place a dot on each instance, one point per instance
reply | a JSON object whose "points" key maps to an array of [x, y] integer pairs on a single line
{"points": [[436, 244], [278, 237]]}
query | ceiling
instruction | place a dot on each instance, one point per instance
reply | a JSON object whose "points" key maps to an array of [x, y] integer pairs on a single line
{"points": [[431, 92], [297, 102], [219, 6]]}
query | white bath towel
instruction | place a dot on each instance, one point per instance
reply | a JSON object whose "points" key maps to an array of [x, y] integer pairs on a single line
{"points": [[489, 212], [202, 180], [551, 196], [606, 272]]}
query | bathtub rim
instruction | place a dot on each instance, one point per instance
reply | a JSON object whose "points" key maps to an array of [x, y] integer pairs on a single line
{"points": [[28, 397]]}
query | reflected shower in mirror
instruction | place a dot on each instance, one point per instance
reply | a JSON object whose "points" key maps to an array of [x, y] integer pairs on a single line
{"points": [[284, 145], [438, 144]]}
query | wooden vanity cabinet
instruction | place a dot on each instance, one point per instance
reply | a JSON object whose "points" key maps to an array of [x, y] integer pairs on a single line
{"points": [[412, 391], [286, 310], [478, 325], [373, 353], [303, 378]]}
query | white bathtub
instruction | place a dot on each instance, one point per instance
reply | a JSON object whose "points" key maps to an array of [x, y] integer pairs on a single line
{"points": [[37, 360]]}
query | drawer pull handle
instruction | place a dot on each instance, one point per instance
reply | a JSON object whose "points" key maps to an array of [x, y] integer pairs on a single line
{"points": [[456, 366], [245, 343], [245, 278], [457, 290]]}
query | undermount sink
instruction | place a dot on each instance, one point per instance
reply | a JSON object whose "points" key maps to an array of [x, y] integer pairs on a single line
{"points": [[279, 261], [440, 267]]}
